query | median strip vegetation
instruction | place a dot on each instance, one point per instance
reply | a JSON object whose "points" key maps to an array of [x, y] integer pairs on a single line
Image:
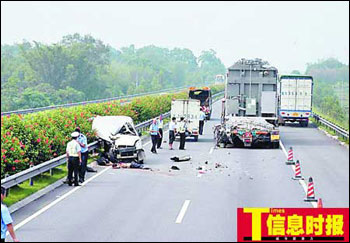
{"points": [[32, 139]]}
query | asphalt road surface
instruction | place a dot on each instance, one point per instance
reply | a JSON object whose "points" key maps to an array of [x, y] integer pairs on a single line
{"points": [[184, 205]]}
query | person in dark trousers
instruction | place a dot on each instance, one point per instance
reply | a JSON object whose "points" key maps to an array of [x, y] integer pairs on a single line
{"points": [[6, 220], [182, 131], [160, 127], [73, 153], [201, 121], [172, 132], [154, 131], [82, 140]]}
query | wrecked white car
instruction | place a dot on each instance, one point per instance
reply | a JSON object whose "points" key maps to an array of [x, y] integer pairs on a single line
{"points": [[120, 139]]}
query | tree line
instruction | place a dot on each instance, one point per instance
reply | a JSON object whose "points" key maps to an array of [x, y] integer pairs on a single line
{"points": [[80, 68], [331, 89]]}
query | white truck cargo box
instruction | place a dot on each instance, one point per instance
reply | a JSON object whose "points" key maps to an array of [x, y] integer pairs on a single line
{"points": [[295, 98], [190, 110]]}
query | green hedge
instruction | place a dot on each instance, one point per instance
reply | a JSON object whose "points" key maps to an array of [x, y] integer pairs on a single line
{"points": [[35, 138]]}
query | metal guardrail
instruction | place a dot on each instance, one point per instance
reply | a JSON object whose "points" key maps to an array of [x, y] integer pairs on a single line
{"points": [[28, 174], [33, 110], [339, 130]]}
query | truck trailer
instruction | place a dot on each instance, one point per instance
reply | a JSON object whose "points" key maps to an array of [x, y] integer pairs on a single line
{"points": [[295, 101], [249, 116]]}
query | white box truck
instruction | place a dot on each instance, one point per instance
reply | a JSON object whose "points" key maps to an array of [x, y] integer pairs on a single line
{"points": [[295, 99], [190, 110]]}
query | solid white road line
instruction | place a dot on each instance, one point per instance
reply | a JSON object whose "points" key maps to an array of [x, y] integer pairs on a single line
{"points": [[44, 209], [182, 212], [301, 182], [211, 150]]}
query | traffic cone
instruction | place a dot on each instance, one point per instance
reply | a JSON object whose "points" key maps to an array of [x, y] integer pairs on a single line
{"points": [[319, 203], [310, 194], [290, 160], [297, 172]]}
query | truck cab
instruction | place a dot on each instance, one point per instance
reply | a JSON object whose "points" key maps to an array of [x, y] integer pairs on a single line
{"points": [[205, 97]]}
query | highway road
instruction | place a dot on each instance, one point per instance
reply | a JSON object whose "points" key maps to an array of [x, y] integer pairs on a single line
{"points": [[183, 205]]}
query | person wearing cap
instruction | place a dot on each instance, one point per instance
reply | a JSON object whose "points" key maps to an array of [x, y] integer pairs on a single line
{"points": [[154, 131], [182, 132], [160, 127], [6, 220], [82, 140], [74, 159]]}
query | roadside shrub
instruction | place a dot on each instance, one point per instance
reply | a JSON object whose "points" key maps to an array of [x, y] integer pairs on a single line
{"points": [[35, 138]]}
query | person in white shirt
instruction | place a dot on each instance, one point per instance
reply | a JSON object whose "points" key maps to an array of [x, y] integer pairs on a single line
{"points": [[172, 132], [201, 121], [73, 153]]}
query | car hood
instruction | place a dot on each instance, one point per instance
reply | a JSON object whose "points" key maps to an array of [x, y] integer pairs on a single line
{"points": [[105, 126], [126, 140]]}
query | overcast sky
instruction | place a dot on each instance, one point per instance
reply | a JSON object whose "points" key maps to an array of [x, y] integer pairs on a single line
{"points": [[287, 34]]}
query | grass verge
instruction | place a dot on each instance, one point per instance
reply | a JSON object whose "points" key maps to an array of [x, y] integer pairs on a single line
{"points": [[328, 130], [24, 189]]}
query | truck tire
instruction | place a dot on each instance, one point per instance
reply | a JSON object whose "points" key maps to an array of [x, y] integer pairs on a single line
{"points": [[276, 145], [304, 123]]}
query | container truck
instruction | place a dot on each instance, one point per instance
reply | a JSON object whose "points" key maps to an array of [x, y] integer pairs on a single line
{"points": [[190, 110], [249, 115], [295, 99]]}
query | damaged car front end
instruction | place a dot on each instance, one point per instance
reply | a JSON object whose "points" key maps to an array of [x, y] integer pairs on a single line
{"points": [[120, 139]]}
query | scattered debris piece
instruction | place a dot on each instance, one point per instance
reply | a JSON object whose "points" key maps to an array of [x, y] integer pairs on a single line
{"points": [[174, 167], [181, 159], [90, 169]]}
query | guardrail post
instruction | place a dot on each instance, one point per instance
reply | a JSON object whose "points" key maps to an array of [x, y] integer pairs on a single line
{"points": [[51, 172], [7, 191], [31, 180]]}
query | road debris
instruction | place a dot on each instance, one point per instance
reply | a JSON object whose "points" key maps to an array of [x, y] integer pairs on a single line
{"points": [[174, 167], [131, 165], [181, 159]]}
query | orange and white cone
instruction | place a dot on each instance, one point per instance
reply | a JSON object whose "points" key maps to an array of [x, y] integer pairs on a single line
{"points": [[290, 160], [319, 203], [297, 172], [310, 194]]}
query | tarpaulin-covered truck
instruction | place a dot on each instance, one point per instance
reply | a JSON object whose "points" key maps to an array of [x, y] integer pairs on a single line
{"points": [[295, 103], [249, 116]]}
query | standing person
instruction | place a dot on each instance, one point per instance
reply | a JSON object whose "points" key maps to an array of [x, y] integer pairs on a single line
{"points": [[74, 159], [154, 131], [6, 220], [82, 140], [160, 127], [182, 131], [201, 121], [172, 132]]}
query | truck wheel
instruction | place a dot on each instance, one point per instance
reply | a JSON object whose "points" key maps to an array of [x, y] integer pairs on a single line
{"points": [[276, 145], [196, 138]]}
